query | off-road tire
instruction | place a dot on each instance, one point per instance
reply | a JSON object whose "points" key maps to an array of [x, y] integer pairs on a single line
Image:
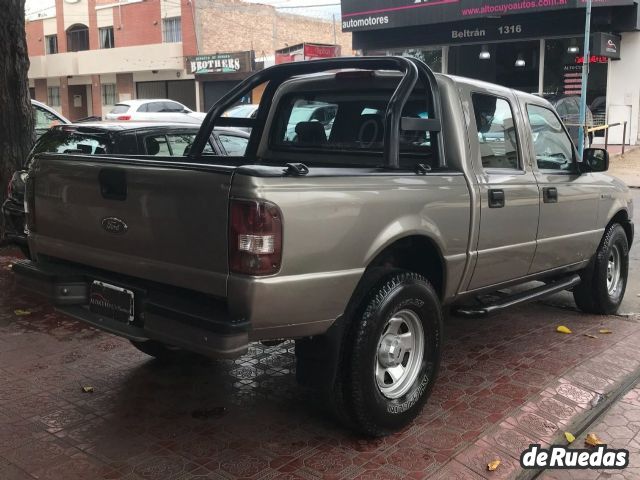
{"points": [[357, 390], [592, 295]]}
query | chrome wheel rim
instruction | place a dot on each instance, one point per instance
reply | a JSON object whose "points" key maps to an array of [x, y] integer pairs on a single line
{"points": [[399, 355], [613, 270]]}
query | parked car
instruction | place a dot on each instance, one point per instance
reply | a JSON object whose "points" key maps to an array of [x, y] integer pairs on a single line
{"points": [[109, 139], [154, 110], [350, 243], [568, 108], [45, 117], [244, 110]]}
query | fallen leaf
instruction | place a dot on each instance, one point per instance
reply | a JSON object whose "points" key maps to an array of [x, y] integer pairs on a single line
{"points": [[592, 440], [569, 436], [87, 389], [22, 313], [491, 466], [563, 329], [589, 335], [605, 331]]}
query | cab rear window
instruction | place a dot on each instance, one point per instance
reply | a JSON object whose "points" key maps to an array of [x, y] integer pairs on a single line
{"points": [[335, 121]]}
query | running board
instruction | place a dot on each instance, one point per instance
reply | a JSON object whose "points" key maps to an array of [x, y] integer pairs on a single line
{"points": [[517, 299]]}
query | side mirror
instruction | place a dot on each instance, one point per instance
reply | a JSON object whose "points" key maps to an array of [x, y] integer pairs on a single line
{"points": [[596, 159]]}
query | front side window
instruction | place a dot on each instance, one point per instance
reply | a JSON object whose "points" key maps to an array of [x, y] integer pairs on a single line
{"points": [[109, 94], [53, 96], [171, 30], [552, 145], [106, 37], [233, 145], [44, 119], [51, 44], [157, 145], [496, 132], [180, 143]]}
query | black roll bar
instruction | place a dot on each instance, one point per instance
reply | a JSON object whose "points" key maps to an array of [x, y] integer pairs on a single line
{"points": [[412, 70]]}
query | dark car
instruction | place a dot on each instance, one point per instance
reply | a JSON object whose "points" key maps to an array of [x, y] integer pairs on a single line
{"points": [[155, 139], [568, 108]]}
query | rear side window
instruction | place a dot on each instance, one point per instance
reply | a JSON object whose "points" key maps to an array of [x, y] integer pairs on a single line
{"points": [[120, 108], [157, 145], [61, 141], [496, 132], [552, 145], [233, 145], [349, 123]]}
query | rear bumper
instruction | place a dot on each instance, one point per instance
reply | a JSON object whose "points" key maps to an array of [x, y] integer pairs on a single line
{"points": [[189, 320]]}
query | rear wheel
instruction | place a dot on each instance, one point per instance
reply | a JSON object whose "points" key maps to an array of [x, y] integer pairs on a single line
{"points": [[605, 281], [392, 354]]}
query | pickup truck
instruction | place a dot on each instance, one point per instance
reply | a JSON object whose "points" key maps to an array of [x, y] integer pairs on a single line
{"points": [[424, 192]]}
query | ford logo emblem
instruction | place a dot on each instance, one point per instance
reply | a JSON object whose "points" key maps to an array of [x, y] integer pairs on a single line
{"points": [[114, 225]]}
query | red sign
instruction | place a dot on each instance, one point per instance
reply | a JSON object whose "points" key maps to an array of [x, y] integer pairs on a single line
{"points": [[306, 51], [592, 59]]}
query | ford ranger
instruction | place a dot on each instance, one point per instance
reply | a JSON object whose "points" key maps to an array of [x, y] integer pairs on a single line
{"points": [[349, 233]]}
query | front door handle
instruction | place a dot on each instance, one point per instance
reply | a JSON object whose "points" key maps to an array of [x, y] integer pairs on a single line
{"points": [[496, 198], [550, 195]]}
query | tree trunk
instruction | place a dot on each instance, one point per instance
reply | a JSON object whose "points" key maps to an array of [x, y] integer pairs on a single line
{"points": [[16, 114]]}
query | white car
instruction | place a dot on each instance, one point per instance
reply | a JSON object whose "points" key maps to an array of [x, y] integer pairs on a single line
{"points": [[45, 117], [154, 110]]}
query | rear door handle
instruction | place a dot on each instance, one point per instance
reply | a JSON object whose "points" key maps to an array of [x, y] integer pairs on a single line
{"points": [[496, 198], [550, 195]]}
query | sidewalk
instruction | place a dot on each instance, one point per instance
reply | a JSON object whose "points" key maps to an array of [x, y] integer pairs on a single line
{"points": [[626, 167]]}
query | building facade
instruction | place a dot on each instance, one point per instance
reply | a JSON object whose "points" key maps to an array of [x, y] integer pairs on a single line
{"points": [[87, 55], [536, 47]]}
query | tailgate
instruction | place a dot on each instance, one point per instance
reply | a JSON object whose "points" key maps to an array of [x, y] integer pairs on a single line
{"points": [[159, 222]]}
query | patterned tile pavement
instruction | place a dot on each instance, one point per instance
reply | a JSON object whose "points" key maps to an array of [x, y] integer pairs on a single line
{"points": [[506, 382]]}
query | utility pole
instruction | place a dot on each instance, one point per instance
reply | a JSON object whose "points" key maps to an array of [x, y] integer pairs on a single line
{"points": [[585, 75]]}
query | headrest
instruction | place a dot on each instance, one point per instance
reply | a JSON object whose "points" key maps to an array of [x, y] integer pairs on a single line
{"points": [[311, 133], [153, 146]]}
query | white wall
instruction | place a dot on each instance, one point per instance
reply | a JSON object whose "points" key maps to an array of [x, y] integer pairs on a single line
{"points": [[623, 89]]}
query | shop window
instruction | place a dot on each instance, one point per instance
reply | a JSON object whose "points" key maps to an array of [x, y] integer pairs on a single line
{"points": [[53, 96], [109, 94], [106, 37], [77, 38], [552, 145], [496, 132], [562, 78], [171, 30], [432, 56], [51, 44]]}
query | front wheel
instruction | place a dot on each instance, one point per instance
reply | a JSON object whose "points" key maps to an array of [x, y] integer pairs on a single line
{"points": [[393, 354], [603, 284]]}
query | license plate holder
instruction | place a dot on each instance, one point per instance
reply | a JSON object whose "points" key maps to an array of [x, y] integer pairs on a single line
{"points": [[111, 301]]}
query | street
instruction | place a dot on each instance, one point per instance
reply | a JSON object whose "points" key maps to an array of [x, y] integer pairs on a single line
{"points": [[78, 404]]}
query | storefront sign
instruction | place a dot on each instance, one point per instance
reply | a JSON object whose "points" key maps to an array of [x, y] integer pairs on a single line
{"points": [[220, 63], [306, 51], [606, 45], [359, 15]]}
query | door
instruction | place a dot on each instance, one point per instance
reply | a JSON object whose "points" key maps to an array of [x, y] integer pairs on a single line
{"points": [[508, 191], [77, 102], [567, 231]]}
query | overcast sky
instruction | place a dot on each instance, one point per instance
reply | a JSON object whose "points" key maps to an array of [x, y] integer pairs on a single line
{"points": [[34, 7]]}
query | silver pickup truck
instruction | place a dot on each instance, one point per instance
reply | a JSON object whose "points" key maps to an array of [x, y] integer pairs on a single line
{"points": [[372, 195]]}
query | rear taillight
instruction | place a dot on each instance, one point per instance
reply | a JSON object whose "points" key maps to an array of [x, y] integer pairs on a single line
{"points": [[255, 237], [30, 204], [123, 117]]}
